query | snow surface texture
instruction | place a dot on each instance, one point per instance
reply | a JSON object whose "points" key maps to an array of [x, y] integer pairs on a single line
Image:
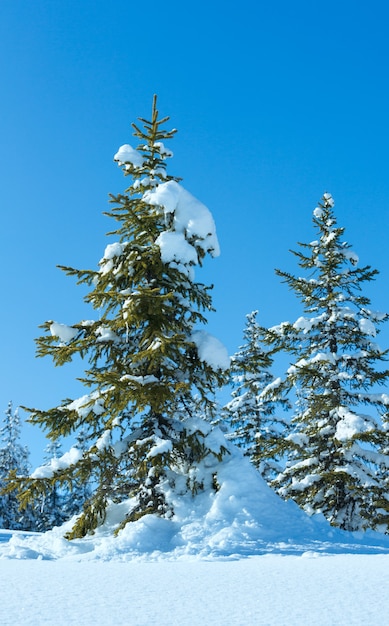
{"points": [[244, 518], [272, 590]]}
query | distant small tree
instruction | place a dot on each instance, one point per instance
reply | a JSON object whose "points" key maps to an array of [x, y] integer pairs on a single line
{"points": [[79, 491], [337, 444], [256, 395], [146, 355], [380, 520], [58, 504], [51, 506], [13, 457]]}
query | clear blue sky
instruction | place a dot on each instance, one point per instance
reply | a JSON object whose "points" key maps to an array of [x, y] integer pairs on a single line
{"points": [[275, 103]]}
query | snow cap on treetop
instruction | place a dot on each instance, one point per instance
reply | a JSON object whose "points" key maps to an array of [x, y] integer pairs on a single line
{"points": [[329, 201], [127, 154]]}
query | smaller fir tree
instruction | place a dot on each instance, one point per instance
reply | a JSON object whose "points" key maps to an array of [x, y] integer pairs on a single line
{"points": [[337, 444], [13, 457], [52, 505], [80, 491], [381, 493], [256, 396]]}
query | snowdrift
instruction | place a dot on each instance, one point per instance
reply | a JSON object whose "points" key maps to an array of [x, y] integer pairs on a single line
{"points": [[244, 518]]}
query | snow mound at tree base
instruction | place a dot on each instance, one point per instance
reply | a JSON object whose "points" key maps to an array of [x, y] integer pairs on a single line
{"points": [[243, 518]]}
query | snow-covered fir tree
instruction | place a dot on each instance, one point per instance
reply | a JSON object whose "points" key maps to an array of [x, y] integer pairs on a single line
{"points": [[52, 504], [79, 491], [252, 413], [337, 439], [381, 513], [146, 353], [13, 457]]}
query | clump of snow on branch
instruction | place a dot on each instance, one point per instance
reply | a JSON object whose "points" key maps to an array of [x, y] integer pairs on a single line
{"points": [[367, 327], [162, 446], [140, 380], [351, 425], [104, 441], [174, 247], [84, 405], [306, 324], [111, 251], [63, 332], [105, 334], [127, 155], [211, 350], [190, 217], [329, 199], [164, 152], [69, 458]]}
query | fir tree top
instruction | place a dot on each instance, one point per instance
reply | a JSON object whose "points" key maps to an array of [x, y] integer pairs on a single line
{"points": [[332, 290]]}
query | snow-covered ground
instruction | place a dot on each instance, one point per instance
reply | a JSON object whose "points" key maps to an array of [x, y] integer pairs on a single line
{"points": [[238, 556], [313, 590]]}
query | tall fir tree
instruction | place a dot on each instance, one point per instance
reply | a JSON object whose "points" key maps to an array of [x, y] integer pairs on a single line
{"points": [[252, 413], [13, 457], [146, 356], [335, 448]]}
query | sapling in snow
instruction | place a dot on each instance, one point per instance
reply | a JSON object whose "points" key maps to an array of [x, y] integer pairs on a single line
{"points": [[13, 457], [146, 350], [337, 444], [257, 398]]}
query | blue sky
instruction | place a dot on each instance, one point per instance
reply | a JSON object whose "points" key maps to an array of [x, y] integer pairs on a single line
{"points": [[275, 103]]}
